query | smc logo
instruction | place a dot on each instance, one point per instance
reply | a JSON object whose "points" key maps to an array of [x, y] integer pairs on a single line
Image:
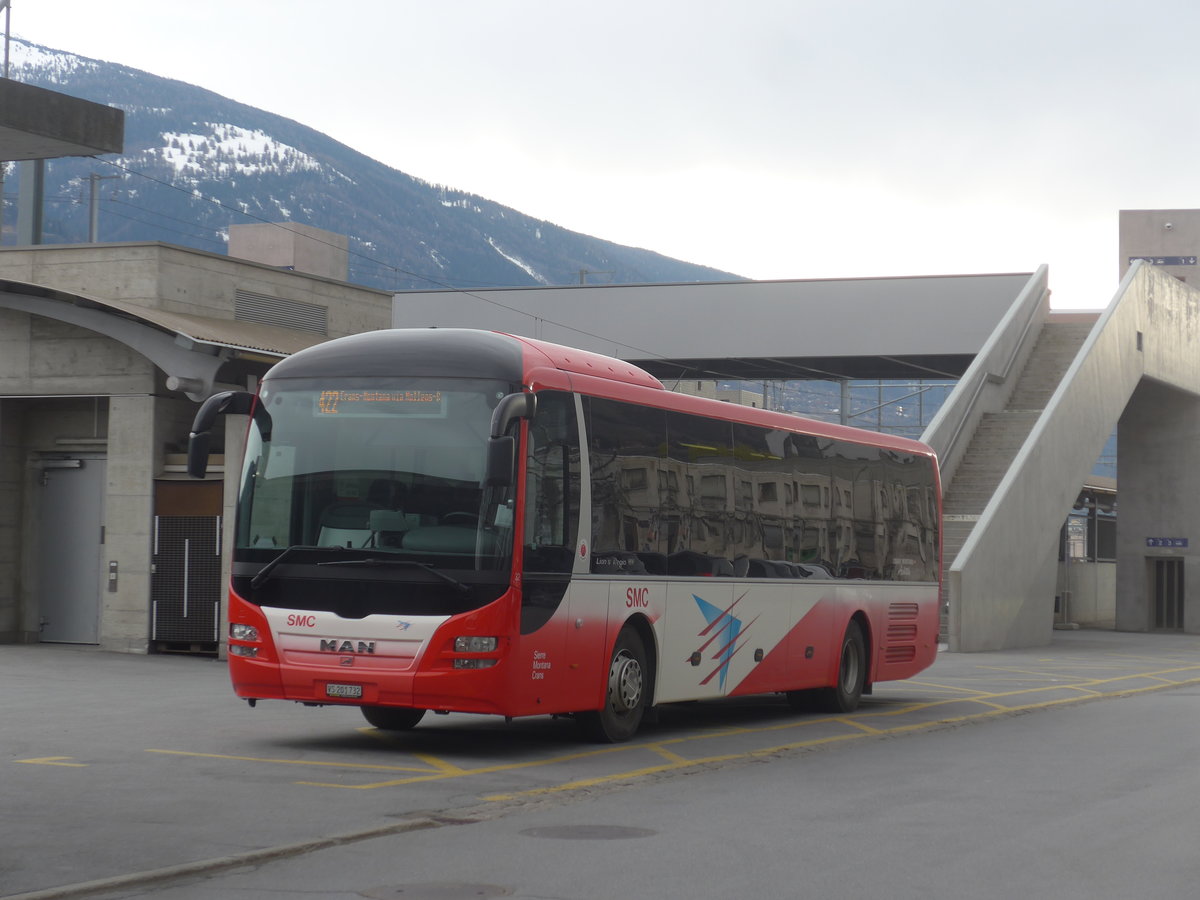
{"points": [[302, 621], [637, 597]]}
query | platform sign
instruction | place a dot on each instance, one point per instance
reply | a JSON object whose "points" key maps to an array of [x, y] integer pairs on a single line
{"points": [[1175, 542], [1166, 260]]}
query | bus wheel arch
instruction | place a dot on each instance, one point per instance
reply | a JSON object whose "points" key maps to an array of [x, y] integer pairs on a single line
{"points": [[628, 686], [868, 636]]}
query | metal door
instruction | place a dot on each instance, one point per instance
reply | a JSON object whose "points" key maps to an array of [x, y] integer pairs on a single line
{"points": [[1167, 585], [69, 536]]}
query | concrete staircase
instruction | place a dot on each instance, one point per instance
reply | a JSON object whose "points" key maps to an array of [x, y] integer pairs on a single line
{"points": [[1000, 436]]}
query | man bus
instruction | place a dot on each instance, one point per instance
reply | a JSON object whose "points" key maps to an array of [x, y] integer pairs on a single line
{"points": [[458, 520]]}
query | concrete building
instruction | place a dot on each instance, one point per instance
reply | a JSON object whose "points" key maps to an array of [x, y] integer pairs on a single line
{"points": [[1167, 239], [295, 247], [104, 352]]}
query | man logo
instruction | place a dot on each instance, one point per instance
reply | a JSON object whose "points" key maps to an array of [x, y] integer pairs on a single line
{"points": [[335, 646]]}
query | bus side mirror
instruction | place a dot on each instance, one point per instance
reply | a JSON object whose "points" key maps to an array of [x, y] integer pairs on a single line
{"points": [[510, 408], [501, 454], [224, 403], [502, 447]]}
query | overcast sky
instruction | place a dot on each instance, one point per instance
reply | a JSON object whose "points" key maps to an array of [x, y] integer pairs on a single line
{"points": [[769, 138]]}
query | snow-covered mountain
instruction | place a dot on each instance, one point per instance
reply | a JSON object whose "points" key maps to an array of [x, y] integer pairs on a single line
{"points": [[196, 162]]}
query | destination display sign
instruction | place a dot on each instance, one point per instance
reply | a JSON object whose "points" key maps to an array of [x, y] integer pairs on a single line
{"points": [[381, 403]]}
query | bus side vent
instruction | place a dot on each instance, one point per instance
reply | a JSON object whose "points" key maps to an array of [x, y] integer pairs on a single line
{"points": [[903, 653], [900, 643]]}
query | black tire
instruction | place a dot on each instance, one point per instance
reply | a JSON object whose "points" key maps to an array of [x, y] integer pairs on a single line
{"points": [[626, 696], [843, 697], [392, 718]]}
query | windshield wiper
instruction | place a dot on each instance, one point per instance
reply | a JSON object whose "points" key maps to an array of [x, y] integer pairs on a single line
{"points": [[375, 561], [265, 572]]}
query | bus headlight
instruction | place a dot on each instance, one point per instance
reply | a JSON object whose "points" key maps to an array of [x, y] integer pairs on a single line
{"points": [[239, 650], [240, 632], [474, 644]]}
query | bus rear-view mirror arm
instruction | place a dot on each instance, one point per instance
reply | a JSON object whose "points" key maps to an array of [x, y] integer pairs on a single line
{"points": [[502, 447], [224, 403]]}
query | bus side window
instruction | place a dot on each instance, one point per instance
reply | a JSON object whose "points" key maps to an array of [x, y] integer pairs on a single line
{"points": [[632, 513], [552, 485]]}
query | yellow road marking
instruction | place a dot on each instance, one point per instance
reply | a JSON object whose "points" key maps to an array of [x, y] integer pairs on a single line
{"points": [[858, 726], [482, 770], [855, 723], [944, 687], [668, 755], [799, 745], [440, 765], [684, 764], [53, 761], [294, 762]]}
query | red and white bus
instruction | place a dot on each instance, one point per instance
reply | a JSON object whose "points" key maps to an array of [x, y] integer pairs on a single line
{"points": [[458, 520]]}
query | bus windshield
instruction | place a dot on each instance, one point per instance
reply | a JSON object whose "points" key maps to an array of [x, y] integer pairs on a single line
{"points": [[387, 468]]}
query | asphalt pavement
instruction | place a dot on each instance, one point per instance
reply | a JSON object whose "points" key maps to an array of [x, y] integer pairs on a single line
{"points": [[133, 775]]}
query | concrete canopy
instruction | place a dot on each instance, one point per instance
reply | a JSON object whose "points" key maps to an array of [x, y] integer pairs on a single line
{"points": [[36, 123], [863, 328], [189, 349]]}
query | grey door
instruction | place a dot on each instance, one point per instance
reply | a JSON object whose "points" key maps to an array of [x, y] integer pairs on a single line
{"points": [[70, 514], [1167, 584]]}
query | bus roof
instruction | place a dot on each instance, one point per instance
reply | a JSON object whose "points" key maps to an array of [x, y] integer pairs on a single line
{"points": [[450, 352]]}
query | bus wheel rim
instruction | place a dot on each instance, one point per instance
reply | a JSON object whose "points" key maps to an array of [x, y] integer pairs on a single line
{"points": [[624, 683], [850, 665]]}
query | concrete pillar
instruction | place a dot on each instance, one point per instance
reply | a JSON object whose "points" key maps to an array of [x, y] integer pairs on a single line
{"points": [[11, 469], [129, 519], [30, 201]]}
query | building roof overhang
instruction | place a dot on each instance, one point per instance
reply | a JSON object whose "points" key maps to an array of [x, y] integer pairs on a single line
{"points": [[190, 349], [902, 328], [36, 123]]}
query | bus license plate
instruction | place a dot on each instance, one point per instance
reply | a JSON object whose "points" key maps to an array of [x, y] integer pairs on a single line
{"points": [[343, 690]]}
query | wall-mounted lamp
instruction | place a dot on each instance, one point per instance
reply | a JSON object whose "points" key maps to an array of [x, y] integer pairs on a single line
{"points": [[61, 463]]}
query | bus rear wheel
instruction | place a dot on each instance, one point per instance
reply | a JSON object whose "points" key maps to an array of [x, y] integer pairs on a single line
{"points": [[626, 694], [843, 697], [392, 718]]}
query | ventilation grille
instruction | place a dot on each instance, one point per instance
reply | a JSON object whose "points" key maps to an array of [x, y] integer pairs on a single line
{"points": [[901, 654], [900, 642], [186, 585], [265, 310]]}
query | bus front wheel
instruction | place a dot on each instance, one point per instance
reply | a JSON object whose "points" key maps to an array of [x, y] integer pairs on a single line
{"points": [[392, 718], [626, 693]]}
